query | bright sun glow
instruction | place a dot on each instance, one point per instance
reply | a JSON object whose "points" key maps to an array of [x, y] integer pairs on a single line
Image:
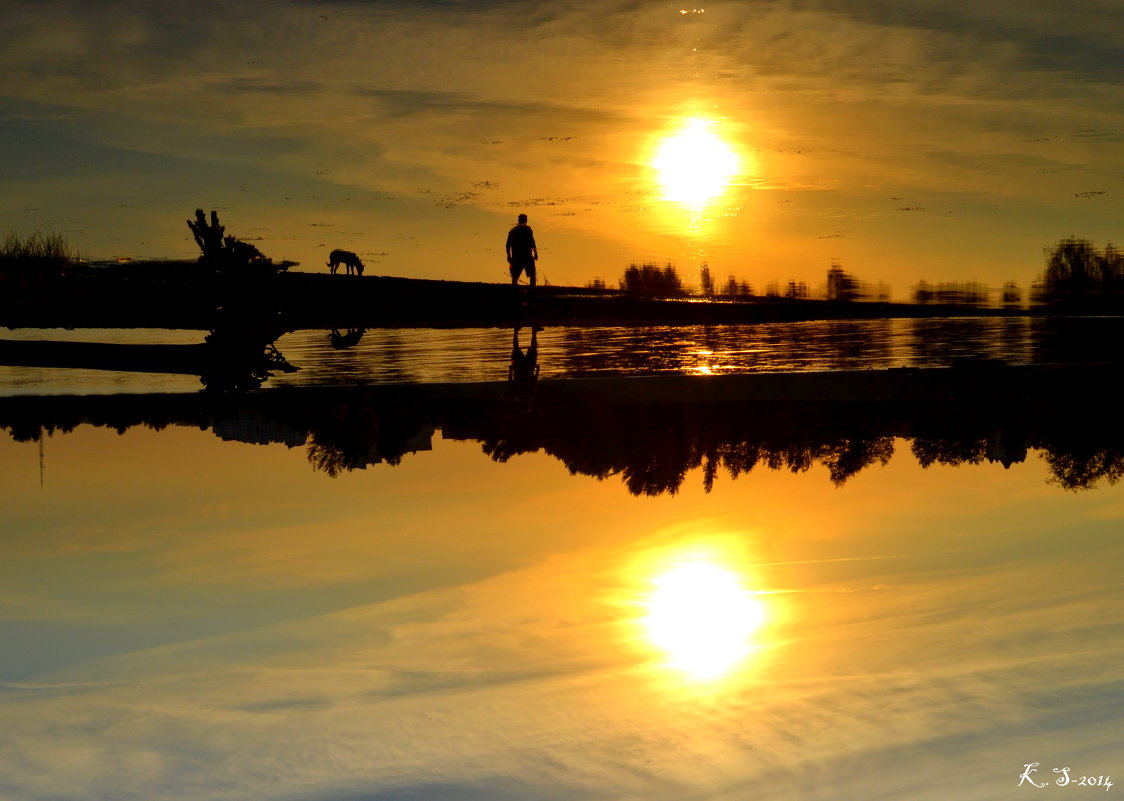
{"points": [[702, 617], [694, 164]]}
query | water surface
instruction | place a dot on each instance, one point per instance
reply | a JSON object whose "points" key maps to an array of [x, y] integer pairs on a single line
{"points": [[336, 594], [453, 355]]}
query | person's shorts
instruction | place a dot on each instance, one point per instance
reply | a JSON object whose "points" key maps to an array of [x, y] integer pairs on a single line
{"points": [[519, 266]]}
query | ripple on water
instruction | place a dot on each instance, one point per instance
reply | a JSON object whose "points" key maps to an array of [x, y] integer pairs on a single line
{"points": [[483, 354]]}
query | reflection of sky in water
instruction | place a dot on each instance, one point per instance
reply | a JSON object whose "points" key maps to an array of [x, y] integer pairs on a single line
{"points": [[190, 618]]}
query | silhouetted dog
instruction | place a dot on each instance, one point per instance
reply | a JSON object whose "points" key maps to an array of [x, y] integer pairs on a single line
{"points": [[345, 257]]}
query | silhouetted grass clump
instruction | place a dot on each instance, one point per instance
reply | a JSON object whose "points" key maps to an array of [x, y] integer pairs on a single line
{"points": [[37, 247]]}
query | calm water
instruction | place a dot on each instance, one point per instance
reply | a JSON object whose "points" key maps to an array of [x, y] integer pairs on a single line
{"points": [[432, 355], [490, 609]]}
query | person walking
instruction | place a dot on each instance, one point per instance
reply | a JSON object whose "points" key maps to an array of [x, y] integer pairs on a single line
{"points": [[522, 253]]}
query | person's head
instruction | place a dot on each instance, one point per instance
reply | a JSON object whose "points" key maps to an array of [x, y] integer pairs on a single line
{"points": [[522, 218]]}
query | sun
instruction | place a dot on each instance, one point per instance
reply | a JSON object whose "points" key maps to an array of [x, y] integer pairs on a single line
{"points": [[694, 165], [702, 617]]}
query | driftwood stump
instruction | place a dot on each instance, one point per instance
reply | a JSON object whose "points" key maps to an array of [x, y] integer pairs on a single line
{"points": [[228, 254], [208, 237]]}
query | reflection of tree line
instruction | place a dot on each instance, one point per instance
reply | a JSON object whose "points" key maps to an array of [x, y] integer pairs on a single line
{"points": [[650, 446], [354, 433]]}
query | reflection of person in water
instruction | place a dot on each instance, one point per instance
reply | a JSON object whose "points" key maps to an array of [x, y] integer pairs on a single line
{"points": [[523, 373], [522, 253]]}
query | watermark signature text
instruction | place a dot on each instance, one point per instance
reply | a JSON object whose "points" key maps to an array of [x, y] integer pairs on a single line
{"points": [[1030, 778]]}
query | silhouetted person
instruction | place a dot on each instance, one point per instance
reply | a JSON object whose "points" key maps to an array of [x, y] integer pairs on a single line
{"points": [[522, 253], [523, 373]]}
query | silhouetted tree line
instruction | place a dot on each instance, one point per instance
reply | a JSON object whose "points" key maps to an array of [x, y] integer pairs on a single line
{"points": [[845, 287], [1079, 277], [651, 447], [1011, 296], [706, 281], [796, 289], [965, 293], [957, 293], [650, 281], [841, 285], [733, 288]]}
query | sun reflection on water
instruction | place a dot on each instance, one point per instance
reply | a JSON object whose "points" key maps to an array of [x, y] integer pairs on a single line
{"points": [[700, 615]]}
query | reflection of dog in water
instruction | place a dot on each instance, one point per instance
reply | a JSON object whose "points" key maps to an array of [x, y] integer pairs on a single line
{"points": [[340, 341], [347, 258]]}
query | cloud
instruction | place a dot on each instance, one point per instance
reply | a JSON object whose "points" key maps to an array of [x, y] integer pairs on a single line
{"points": [[404, 102], [239, 85], [271, 705], [494, 789], [1078, 38]]}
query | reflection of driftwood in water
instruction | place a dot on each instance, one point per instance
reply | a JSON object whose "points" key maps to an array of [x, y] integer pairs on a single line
{"points": [[604, 429], [240, 365]]}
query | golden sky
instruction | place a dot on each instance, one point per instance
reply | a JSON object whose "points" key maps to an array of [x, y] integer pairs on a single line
{"points": [[922, 140]]}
